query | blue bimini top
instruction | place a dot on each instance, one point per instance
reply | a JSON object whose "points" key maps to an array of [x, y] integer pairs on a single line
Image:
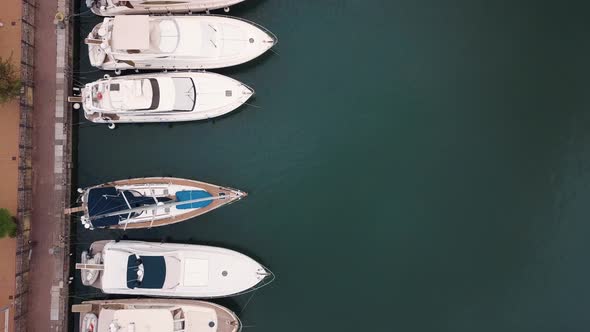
{"points": [[105, 200], [187, 195], [154, 271]]}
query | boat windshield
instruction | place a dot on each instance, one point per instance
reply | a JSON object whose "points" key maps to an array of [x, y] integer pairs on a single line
{"points": [[155, 94], [184, 94]]}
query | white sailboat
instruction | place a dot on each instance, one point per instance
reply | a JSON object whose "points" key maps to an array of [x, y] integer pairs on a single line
{"points": [[167, 269], [150, 202], [162, 97], [128, 7], [157, 315], [175, 42]]}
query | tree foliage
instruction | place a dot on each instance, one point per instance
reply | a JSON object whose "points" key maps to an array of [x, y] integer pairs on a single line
{"points": [[7, 225], [9, 81]]}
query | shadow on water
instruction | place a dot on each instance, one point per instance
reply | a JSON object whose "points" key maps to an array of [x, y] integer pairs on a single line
{"points": [[243, 68], [250, 65], [250, 106]]}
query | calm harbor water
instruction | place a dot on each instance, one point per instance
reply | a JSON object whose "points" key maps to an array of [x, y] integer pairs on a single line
{"points": [[412, 166]]}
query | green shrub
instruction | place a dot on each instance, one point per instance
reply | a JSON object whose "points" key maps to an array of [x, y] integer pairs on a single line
{"points": [[9, 81], [7, 225]]}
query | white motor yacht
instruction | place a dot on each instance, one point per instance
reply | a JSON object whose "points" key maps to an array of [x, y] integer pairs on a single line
{"points": [[175, 42], [156, 315], [162, 97], [168, 269]]}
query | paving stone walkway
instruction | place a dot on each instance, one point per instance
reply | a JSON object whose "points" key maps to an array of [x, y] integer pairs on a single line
{"points": [[51, 172]]}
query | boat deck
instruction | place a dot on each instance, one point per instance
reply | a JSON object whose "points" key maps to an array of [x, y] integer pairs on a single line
{"points": [[227, 320], [212, 189]]}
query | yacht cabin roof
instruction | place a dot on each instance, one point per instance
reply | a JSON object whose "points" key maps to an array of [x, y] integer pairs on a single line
{"points": [[157, 320], [144, 95], [135, 320], [131, 32]]}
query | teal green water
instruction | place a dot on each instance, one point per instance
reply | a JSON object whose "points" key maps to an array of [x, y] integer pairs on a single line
{"points": [[412, 166]]}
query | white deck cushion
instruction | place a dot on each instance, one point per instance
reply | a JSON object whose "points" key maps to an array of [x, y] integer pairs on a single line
{"points": [[168, 36]]}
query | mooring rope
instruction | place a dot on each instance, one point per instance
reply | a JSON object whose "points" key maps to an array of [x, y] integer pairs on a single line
{"points": [[79, 14]]}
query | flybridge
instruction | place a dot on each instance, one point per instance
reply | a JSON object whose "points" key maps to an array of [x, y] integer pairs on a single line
{"points": [[124, 95]]}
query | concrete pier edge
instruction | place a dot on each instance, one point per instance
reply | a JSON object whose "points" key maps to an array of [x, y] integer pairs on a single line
{"points": [[63, 164]]}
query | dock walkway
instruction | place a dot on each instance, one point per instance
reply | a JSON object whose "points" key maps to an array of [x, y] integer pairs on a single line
{"points": [[51, 164]]}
